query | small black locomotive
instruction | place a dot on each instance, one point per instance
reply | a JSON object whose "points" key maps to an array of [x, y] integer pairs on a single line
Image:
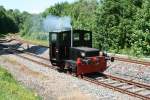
{"points": [[72, 50]]}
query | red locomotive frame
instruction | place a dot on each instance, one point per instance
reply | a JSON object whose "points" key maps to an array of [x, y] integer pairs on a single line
{"points": [[96, 65]]}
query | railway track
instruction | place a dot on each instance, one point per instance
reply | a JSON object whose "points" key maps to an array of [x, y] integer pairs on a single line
{"points": [[129, 87], [146, 63], [124, 86], [133, 61], [27, 56], [135, 89]]}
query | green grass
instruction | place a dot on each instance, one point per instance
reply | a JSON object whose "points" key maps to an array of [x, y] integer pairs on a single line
{"points": [[35, 41], [10, 89]]}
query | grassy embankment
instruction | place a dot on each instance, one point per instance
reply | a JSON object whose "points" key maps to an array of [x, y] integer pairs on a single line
{"points": [[37, 38], [10, 89], [35, 41], [128, 52]]}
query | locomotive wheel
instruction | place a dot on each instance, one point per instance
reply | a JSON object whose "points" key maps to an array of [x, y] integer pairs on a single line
{"points": [[53, 64], [69, 71], [112, 59], [61, 68]]}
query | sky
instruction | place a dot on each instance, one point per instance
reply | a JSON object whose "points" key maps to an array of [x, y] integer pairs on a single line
{"points": [[31, 6]]}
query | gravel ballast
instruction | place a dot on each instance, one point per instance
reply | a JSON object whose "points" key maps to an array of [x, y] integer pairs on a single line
{"points": [[131, 71], [52, 85]]}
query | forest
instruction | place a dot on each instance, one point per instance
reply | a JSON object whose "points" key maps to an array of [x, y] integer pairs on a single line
{"points": [[119, 26]]}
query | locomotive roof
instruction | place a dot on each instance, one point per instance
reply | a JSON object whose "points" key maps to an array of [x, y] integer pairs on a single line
{"points": [[86, 49], [63, 31]]}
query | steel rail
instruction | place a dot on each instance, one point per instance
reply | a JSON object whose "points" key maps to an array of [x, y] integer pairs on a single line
{"points": [[98, 82], [105, 84], [116, 88], [146, 63], [128, 81], [31, 54]]}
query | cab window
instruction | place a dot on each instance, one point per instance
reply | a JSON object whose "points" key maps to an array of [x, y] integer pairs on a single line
{"points": [[53, 37], [76, 37], [64, 37], [86, 36]]}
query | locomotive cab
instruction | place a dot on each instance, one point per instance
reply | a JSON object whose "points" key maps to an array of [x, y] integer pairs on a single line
{"points": [[61, 41], [72, 50]]}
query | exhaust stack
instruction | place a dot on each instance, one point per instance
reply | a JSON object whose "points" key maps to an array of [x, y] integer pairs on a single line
{"points": [[71, 36]]}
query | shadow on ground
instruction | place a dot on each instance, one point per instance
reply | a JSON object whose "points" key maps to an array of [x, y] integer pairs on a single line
{"points": [[95, 75], [5, 48], [36, 50]]}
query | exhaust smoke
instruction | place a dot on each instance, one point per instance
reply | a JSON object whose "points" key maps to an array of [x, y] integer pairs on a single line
{"points": [[54, 23], [39, 27]]}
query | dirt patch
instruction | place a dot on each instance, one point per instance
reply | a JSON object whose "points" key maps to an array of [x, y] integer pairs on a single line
{"points": [[75, 96], [22, 68]]}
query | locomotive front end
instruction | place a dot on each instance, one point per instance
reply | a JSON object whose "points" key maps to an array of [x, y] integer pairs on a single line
{"points": [[85, 60]]}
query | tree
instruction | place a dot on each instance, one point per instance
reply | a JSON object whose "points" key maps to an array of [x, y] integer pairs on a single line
{"points": [[114, 24], [8, 22]]}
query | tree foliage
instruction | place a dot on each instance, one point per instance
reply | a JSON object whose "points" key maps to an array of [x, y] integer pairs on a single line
{"points": [[11, 21], [117, 25]]}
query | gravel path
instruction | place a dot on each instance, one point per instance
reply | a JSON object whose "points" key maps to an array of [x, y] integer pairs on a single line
{"points": [[52, 85], [49, 87]]}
